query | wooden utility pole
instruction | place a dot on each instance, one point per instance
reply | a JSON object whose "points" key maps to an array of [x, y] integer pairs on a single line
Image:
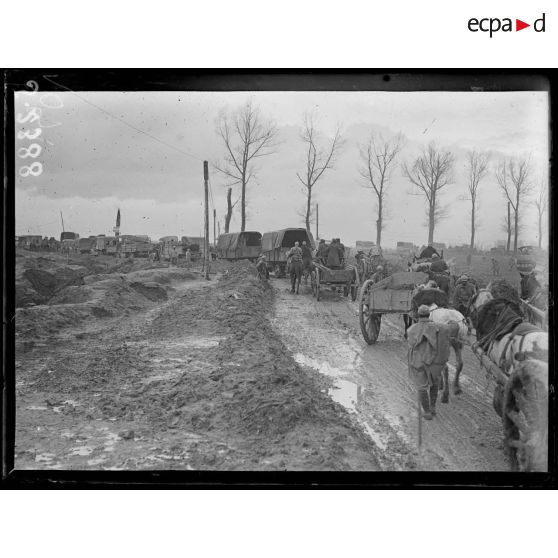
{"points": [[317, 220], [64, 230], [206, 242], [117, 233], [214, 229]]}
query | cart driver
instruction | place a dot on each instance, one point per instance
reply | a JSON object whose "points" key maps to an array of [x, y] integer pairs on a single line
{"points": [[321, 253], [334, 255], [428, 252]]}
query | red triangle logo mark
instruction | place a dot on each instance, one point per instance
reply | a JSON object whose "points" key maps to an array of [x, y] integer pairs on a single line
{"points": [[519, 25]]}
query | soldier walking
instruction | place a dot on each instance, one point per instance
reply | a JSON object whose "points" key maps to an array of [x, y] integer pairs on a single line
{"points": [[429, 351]]}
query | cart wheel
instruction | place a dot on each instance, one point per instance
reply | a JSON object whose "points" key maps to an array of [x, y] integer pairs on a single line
{"points": [[525, 417], [369, 321]]}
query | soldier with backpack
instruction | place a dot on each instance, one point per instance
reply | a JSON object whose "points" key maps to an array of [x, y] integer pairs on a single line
{"points": [[429, 351]]}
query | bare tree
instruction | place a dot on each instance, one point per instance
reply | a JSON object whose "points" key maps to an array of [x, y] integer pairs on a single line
{"points": [[230, 207], [507, 227], [431, 172], [541, 202], [513, 177], [318, 160], [377, 160], [477, 167], [246, 137]]}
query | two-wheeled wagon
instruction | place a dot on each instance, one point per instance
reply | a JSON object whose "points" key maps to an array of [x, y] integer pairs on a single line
{"points": [[392, 295], [322, 277]]}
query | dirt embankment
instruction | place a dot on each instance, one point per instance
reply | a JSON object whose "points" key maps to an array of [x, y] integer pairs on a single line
{"points": [[53, 294], [198, 381]]}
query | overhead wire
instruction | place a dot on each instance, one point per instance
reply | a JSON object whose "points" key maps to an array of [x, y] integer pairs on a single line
{"points": [[124, 121], [133, 127]]}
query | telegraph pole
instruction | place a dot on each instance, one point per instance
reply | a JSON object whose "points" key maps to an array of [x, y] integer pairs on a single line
{"points": [[317, 220], [214, 236], [117, 233], [206, 242], [61, 246]]}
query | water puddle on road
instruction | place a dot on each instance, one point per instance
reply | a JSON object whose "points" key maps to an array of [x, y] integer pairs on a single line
{"points": [[346, 393], [321, 367]]}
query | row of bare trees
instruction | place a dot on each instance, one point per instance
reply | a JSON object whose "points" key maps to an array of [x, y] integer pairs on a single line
{"points": [[247, 137]]}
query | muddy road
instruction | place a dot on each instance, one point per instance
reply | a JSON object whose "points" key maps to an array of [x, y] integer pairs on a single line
{"points": [[372, 383], [131, 366]]}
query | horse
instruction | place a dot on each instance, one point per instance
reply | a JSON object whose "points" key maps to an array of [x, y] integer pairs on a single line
{"points": [[458, 329], [295, 272], [424, 295], [307, 267], [522, 352], [482, 296]]}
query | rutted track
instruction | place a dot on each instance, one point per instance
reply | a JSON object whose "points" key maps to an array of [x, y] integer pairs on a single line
{"points": [[373, 382], [199, 381]]}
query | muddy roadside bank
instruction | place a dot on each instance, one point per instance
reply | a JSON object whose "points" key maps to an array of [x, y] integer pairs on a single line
{"points": [[197, 381]]}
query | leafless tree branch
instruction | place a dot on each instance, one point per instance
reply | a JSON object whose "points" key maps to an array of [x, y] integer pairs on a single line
{"points": [[246, 137], [513, 177], [318, 160], [430, 173], [377, 158]]}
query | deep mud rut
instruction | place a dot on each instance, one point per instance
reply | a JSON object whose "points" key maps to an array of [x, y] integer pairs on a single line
{"points": [[372, 383]]}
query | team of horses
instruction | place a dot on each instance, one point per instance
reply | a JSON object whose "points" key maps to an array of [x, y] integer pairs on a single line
{"points": [[523, 344], [459, 324], [506, 336]]}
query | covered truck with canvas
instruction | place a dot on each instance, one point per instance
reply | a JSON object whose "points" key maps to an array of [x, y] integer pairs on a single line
{"points": [[245, 245], [276, 244]]}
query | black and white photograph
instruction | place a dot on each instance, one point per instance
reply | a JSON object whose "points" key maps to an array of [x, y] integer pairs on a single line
{"points": [[259, 278]]}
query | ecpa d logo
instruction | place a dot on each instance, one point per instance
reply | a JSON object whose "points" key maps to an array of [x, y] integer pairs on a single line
{"points": [[494, 24]]}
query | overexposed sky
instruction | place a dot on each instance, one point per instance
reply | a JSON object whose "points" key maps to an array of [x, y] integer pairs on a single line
{"points": [[143, 152]]}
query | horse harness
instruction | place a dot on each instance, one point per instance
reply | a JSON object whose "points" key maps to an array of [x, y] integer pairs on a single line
{"points": [[522, 330]]}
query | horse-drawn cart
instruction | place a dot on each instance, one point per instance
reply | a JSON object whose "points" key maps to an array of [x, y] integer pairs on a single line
{"points": [[322, 276], [392, 295]]}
